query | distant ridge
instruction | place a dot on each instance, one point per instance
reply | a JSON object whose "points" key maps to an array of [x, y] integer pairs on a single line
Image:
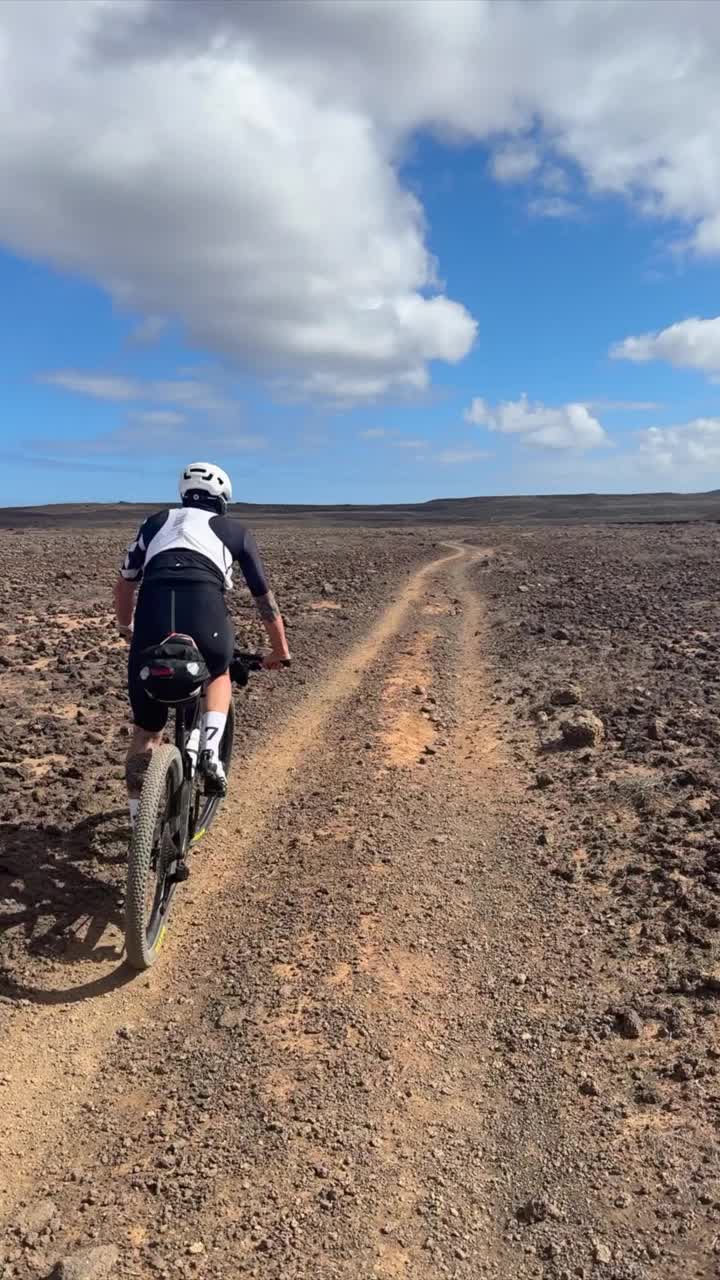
{"points": [[581, 508]]}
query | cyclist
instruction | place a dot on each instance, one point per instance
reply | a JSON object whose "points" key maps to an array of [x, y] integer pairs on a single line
{"points": [[182, 559]]}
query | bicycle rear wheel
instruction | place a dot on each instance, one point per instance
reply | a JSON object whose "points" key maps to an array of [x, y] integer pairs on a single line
{"points": [[153, 858], [208, 806]]}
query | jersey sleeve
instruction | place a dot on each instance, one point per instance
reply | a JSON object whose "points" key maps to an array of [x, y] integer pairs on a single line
{"points": [[252, 568], [243, 549], [133, 564]]}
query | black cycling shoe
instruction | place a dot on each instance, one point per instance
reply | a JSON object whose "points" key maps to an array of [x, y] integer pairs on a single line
{"points": [[213, 772]]}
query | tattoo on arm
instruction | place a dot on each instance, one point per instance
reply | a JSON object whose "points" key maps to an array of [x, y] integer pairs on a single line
{"points": [[267, 607]]}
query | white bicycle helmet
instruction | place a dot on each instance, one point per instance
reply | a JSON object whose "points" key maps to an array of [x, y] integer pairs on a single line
{"points": [[204, 478]]}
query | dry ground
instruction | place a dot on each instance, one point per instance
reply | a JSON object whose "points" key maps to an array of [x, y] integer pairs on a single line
{"points": [[440, 997]]}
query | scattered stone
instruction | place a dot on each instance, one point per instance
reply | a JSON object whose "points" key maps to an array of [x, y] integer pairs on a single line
{"points": [[537, 1210], [231, 1018], [684, 1069], [197, 1247], [96, 1263], [543, 780], [583, 729], [37, 1217], [11, 907], [601, 1252], [12, 771], [327, 589], [629, 1024], [648, 1095], [566, 695], [589, 1088], [710, 980], [566, 870], [656, 729]]}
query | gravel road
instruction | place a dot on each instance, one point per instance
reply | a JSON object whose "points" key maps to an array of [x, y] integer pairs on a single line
{"points": [[440, 996]]}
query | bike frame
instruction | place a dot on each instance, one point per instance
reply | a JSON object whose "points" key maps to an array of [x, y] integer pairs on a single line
{"points": [[187, 716]]}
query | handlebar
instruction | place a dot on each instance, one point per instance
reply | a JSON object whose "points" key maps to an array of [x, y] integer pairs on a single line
{"points": [[244, 663]]}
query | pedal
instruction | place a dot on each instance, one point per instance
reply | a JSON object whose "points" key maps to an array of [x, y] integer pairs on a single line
{"points": [[180, 875]]}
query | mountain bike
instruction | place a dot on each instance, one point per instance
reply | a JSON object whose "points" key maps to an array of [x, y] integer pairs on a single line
{"points": [[174, 814]]}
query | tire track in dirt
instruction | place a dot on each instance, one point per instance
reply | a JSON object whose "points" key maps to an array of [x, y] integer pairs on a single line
{"points": [[406, 1089], [435, 1216], [391, 1059], [55, 1046], [346, 1080]]}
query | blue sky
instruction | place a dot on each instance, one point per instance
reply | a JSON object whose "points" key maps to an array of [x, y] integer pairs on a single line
{"points": [[318, 340]]}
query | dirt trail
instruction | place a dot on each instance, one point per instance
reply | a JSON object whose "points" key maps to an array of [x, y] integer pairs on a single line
{"points": [[355, 1059], [42, 1089]]}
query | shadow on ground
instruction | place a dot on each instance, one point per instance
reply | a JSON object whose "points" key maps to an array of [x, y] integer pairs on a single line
{"points": [[61, 901]]}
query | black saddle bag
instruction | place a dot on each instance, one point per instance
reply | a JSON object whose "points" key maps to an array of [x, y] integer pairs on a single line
{"points": [[173, 671]]}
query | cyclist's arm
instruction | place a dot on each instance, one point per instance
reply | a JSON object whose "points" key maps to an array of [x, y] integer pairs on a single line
{"points": [[274, 625], [124, 599], [251, 565], [131, 572]]}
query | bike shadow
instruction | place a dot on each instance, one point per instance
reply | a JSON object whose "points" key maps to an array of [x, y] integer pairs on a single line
{"points": [[61, 903]]}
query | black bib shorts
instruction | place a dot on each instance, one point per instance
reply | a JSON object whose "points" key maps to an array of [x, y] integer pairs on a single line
{"points": [[193, 609]]}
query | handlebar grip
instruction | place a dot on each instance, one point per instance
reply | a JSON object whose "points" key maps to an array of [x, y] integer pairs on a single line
{"points": [[243, 663]]}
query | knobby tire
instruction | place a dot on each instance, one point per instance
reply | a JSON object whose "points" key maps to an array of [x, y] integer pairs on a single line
{"points": [[144, 938]]}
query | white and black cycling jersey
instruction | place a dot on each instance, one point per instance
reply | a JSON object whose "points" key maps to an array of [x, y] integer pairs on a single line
{"points": [[188, 544]]}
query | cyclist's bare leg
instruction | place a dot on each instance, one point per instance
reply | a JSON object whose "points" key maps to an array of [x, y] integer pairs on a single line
{"points": [[218, 694]]}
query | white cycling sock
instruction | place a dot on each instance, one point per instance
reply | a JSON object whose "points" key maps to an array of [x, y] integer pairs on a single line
{"points": [[213, 728], [133, 806]]}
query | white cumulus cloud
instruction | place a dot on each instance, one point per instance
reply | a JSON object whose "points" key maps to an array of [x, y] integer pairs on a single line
{"points": [[149, 330], [693, 446], [689, 344], [189, 392], [553, 207], [458, 457], [157, 148], [102, 386], [568, 426], [514, 162], [159, 417], [235, 166]]}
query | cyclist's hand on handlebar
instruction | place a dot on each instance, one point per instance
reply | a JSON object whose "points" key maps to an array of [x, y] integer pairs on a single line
{"points": [[276, 661]]}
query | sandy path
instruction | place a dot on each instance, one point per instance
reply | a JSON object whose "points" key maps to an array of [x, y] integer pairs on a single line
{"points": [[59, 1038], [361, 1054]]}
